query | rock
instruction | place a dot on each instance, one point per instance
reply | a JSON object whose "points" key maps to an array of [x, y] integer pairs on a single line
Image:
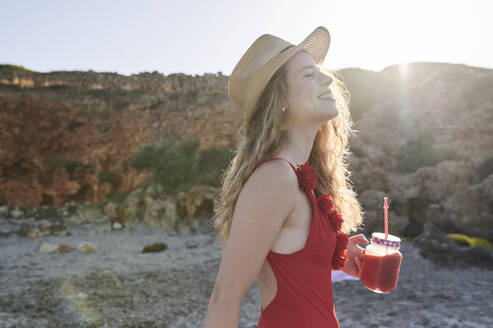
{"points": [[117, 225], [372, 203], [62, 233], [35, 234], [44, 224], [24, 229], [155, 248], [470, 209], [100, 220], [48, 248], [445, 252], [191, 244], [131, 209], [198, 201], [17, 213], [89, 211], [111, 209], [371, 171], [53, 227], [73, 219], [82, 296], [438, 182], [153, 206], [47, 213], [153, 211], [86, 247], [372, 199], [397, 224], [4, 211], [170, 212], [60, 186], [65, 248]]}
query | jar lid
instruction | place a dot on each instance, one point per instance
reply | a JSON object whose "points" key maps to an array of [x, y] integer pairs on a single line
{"points": [[379, 238]]}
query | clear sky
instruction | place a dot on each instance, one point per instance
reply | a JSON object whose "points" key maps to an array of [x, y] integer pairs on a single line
{"points": [[199, 36]]}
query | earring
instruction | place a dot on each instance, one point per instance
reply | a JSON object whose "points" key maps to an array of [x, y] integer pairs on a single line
{"points": [[283, 109]]}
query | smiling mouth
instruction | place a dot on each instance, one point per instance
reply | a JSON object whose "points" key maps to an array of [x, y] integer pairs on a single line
{"points": [[326, 96]]}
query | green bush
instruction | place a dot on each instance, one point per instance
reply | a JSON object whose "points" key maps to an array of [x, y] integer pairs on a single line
{"points": [[189, 147], [144, 159], [17, 68], [111, 177], [72, 209], [171, 165], [54, 161], [117, 197], [178, 165], [210, 165]]}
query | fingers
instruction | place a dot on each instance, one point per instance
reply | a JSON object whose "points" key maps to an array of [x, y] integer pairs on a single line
{"points": [[358, 263], [359, 239]]}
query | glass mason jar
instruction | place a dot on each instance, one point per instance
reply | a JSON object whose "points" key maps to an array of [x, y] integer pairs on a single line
{"points": [[382, 263]]}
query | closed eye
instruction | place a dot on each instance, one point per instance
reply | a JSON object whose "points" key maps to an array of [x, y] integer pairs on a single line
{"points": [[310, 74]]}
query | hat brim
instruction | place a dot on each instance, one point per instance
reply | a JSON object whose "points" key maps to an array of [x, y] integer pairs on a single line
{"points": [[316, 44]]}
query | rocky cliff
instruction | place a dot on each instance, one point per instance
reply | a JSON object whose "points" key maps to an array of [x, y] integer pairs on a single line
{"points": [[425, 137], [61, 130]]}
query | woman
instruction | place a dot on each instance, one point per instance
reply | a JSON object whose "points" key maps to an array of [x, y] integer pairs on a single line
{"points": [[286, 204]]}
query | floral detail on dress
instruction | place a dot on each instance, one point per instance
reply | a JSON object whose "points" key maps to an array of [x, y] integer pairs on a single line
{"points": [[340, 255], [335, 219], [307, 181], [325, 203], [306, 177]]}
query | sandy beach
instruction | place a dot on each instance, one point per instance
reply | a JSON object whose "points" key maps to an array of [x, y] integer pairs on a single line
{"points": [[119, 286]]}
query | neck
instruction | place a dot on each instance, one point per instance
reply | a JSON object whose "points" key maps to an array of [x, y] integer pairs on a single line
{"points": [[299, 144]]}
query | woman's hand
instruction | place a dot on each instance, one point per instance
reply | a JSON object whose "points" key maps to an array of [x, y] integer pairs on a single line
{"points": [[355, 255]]}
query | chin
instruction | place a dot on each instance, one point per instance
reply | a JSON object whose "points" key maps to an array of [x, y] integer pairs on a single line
{"points": [[331, 112]]}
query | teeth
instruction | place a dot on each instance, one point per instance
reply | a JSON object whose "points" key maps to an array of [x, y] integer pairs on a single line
{"points": [[325, 97]]}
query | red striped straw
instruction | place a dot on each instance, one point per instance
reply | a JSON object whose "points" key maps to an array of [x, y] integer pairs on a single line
{"points": [[386, 216]]}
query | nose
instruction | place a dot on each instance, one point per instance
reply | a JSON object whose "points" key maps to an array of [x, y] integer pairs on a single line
{"points": [[326, 79]]}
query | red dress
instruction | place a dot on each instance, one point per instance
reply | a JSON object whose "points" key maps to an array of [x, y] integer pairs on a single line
{"points": [[304, 283]]}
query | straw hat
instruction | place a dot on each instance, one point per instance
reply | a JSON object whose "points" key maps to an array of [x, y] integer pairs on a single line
{"points": [[264, 57]]}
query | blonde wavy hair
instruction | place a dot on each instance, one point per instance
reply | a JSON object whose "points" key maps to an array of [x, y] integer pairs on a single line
{"points": [[264, 136]]}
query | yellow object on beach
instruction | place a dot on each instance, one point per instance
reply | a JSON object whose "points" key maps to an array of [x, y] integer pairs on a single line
{"points": [[471, 241]]}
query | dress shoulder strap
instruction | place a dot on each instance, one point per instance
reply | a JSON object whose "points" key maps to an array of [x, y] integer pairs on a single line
{"points": [[273, 158]]}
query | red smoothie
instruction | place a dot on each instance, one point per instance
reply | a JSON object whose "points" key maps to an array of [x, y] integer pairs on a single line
{"points": [[381, 272]]}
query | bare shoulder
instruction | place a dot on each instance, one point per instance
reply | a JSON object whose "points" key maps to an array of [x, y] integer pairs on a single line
{"points": [[268, 194], [276, 177]]}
